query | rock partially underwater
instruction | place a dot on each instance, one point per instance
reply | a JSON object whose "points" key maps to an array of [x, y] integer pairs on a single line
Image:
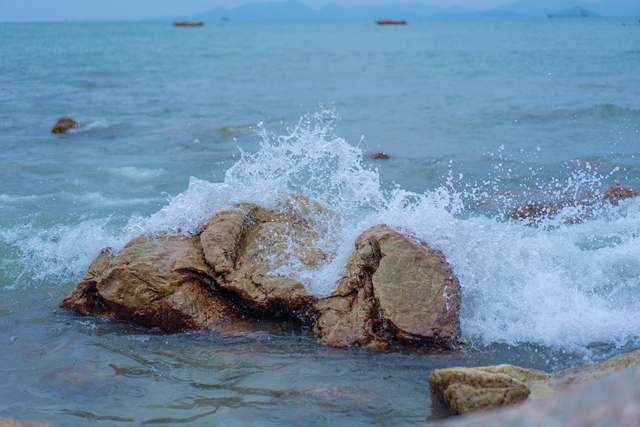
{"points": [[538, 211], [64, 125], [395, 290], [379, 155]]}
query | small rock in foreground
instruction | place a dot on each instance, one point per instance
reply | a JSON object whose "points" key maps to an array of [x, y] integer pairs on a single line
{"points": [[610, 401], [474, 389]]}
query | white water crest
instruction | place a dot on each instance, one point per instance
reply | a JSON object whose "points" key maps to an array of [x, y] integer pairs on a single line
{"points": [[557, 285]]}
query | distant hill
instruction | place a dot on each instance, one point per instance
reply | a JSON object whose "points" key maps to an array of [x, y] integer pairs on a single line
{"points": [[262, 11], [551, 7], [292, 10], [575, 12], [297, 10]]}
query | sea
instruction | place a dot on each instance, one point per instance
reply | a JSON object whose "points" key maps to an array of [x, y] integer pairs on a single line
{"points": [[478, 117]]}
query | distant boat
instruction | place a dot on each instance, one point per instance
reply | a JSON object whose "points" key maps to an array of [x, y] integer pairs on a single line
{"points": [[189, 24], [391, 22]]}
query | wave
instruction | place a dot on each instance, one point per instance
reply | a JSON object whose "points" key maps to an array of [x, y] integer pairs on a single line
{"points": [[570, 287], [95, 199], [89, 126], [136, 173], [597, 111]]}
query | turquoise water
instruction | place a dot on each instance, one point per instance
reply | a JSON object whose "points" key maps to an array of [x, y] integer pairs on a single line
{"points": [[478, 116]]}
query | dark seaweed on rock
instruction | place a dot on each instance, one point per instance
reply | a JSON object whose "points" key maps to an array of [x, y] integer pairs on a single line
{"points": [[538, 211]]}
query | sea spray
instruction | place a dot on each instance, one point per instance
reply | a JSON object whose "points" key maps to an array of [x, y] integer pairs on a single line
{"points": [[568, 287]]}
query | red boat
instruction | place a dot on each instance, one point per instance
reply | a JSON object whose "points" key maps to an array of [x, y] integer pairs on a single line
{"points": [[391, 22], [189, 24]]}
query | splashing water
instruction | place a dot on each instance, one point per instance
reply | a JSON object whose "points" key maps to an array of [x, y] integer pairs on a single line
{"points": [[557, 285]]}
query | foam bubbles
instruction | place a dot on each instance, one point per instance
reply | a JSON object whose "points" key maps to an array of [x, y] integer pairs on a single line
{"points": [[135, 173]]}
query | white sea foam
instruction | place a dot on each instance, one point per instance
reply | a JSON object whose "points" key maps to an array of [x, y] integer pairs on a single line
{"points": [[63, 251], [558, 285], [89, 126], [14, 198], [136, 173]]}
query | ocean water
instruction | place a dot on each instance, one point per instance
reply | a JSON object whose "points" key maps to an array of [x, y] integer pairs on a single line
{"points": [[478, 116]]}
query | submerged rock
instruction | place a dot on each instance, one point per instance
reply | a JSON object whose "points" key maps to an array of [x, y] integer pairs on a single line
{"points": [[473, 389], [394, 289], [64, 125], [379, 155], [160, 282], [538, 211], [617, 193]]}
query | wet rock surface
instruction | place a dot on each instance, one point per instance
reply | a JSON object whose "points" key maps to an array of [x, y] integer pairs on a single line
{"points": [[64, 125], [395, 289], [247, 246], [160, 282]]}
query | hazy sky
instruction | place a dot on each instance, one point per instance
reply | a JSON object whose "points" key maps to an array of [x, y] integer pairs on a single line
{"points": [[56, 10]]}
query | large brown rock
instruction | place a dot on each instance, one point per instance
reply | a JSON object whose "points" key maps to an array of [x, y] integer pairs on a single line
{"points": [[161, 282], [473, 389], [247, 261], [64, 125], [395, 289], [253, 251]]}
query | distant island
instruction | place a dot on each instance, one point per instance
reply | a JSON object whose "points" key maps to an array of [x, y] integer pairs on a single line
{"points": [[576, 12], [300, 10]]}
